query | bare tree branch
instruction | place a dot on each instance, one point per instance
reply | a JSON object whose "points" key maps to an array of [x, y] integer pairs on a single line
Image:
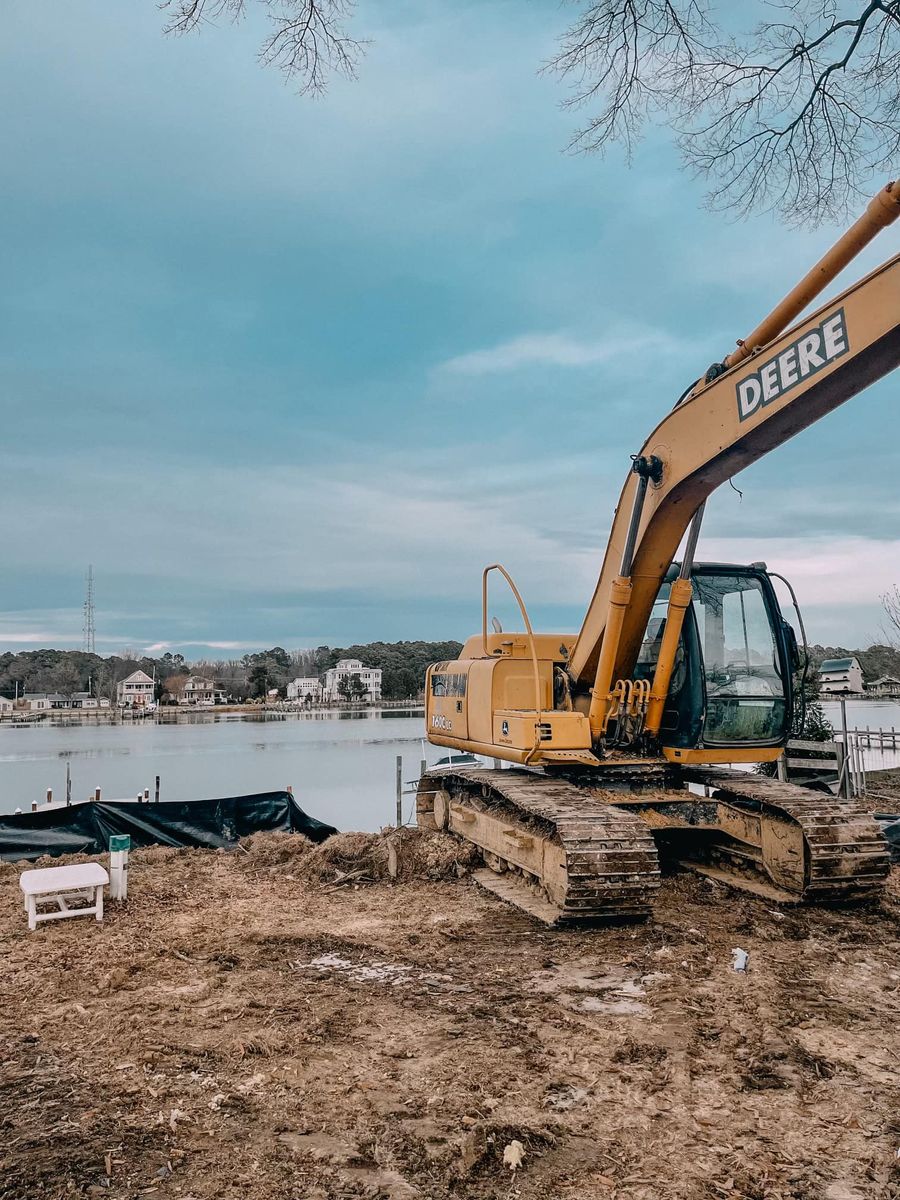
{"points": [[891, 602], [796, 116], [308, 41]]}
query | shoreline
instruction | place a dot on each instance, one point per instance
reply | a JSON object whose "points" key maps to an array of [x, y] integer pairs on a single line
{"points": [[169, 714]]}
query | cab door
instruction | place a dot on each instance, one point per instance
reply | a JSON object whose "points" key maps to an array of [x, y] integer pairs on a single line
{"points": [[745, 676]]}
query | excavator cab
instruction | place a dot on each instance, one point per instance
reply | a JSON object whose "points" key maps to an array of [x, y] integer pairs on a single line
{"points": [[729, 699], [731, 684]]}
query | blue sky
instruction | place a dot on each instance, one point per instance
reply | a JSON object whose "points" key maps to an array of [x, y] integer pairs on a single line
{"points": [[291, 371]]}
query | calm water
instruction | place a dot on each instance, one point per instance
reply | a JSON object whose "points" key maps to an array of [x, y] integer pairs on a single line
{"points": [[874, 714], [340, 765]]}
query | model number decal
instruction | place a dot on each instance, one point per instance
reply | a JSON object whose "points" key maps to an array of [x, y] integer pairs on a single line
{"points": [[439, 722], [817, 348]]}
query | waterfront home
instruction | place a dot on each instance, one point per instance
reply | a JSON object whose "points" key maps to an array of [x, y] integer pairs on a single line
{"points": [[6, 706], [137, 691], [306, 690], [75, 700], [35, 702], [347, 668], [841, 676], [887, 685], [198, 690]]}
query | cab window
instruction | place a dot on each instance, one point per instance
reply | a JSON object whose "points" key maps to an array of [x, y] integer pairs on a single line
{"points": [[445, 684]]}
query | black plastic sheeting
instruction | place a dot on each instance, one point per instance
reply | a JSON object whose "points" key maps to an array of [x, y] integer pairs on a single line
{"points": [[890, 827], [86, 828]]}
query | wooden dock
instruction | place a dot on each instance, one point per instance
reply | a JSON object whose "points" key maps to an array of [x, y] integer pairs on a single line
{"points": [[877, 739]]}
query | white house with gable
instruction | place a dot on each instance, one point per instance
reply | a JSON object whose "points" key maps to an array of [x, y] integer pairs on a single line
{"points": [[200, 690], [370, 677], [305, 690], [137, 691]]}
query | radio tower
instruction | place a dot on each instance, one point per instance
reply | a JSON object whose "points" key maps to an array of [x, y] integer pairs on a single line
{"points": [[88, 627]]}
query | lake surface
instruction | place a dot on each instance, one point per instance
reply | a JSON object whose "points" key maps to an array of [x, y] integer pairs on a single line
{"points": [[874, 714], [341, 765]]}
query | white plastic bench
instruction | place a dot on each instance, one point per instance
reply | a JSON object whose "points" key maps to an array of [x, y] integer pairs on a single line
{"points": [[59, 886]]}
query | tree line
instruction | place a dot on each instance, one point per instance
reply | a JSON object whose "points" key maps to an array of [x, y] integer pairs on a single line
{"points": [[402, 665], [250, 677]]}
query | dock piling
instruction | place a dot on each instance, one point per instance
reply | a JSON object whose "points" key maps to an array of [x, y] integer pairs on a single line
{"points": [[399, 790]]}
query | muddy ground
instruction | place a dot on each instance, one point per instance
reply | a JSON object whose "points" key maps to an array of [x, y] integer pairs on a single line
{"points": [[884, 788], [246, 1028]]}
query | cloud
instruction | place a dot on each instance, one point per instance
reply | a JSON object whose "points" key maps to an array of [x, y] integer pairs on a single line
{"points": [[32, 637], [560, 350], [377, 342], [838, 581], [162, 647]]}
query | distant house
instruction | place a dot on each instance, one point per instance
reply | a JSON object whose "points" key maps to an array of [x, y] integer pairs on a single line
{"points": [[307, 690], [36, 702], [6, 706], [347, 668], [198, 690], [841, 676], [86, 700], [137, 691], [887, 685]]}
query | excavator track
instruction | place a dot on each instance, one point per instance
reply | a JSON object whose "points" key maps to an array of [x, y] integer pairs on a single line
{"points": [[585, 848], [554, 850], [845, 856]]}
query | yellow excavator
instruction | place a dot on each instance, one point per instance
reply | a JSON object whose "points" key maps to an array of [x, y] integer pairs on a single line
{"points": [[625, 737]]}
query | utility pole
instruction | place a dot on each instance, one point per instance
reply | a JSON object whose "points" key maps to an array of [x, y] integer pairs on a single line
{"points": [[88, 641]]}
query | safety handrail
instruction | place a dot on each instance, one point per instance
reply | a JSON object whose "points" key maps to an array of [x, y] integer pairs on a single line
{"points": [[534, 659]]}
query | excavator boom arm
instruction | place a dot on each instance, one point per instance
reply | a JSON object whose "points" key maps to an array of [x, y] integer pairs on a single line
{"points": [[729, 423]]}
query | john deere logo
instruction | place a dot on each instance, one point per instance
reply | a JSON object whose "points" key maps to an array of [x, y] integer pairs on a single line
{"points": [[504, 728], [818, 347]]}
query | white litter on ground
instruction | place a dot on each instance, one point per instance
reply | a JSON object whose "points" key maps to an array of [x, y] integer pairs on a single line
{"points": [[391, 974]]}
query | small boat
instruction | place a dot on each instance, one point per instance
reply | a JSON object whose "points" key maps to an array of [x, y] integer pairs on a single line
{"points": [[463, 759]]}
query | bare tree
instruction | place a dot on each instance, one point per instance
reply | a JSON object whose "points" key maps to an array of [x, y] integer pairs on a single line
{"points": [[891, 602], [797, 115], [307, 42], [174, 685]]}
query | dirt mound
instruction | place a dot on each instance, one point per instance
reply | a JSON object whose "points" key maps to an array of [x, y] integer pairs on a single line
{"points": [[363, 857]]}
